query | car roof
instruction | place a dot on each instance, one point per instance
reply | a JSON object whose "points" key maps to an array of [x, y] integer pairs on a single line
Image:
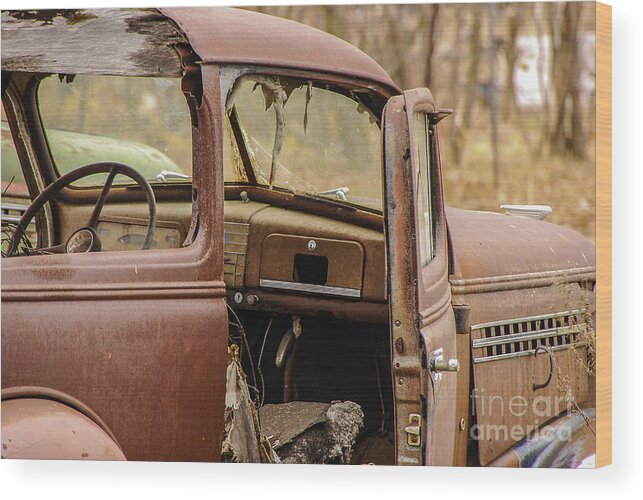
{"points": [[224, 35], [142, 42]]}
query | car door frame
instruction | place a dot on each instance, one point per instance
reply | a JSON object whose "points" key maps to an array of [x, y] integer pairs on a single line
{"points": [[421, 317], [176, 299]]}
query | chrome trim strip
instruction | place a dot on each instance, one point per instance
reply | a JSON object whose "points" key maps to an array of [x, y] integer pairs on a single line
{"points": [[307, 287], [517, 277], [461, 286], [525, 353], [538, 212], [524, 336], [525, 319]]}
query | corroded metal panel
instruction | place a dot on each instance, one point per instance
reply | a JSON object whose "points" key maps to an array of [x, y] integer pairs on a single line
{"points": [[234, 36], [532, 353], [35, 428]]}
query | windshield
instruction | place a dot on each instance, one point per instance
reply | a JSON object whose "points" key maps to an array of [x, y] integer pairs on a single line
{"points": [[305, 138], [142, 122]]}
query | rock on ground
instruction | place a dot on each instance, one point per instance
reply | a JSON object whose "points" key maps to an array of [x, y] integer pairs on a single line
{"points": [[312, 433]]}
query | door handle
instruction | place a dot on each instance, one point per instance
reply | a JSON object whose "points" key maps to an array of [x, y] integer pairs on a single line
{"points": [[544, 348], [439, 364], [445, 365]]}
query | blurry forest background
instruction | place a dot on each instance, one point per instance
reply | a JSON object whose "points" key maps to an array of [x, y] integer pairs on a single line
{"points": [[521, 79]]}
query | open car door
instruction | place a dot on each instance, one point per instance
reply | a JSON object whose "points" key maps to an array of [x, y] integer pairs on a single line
{"points": [[423, 334]]}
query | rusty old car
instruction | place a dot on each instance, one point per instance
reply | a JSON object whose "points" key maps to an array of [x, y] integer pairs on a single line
{"points": [[194, 193]]}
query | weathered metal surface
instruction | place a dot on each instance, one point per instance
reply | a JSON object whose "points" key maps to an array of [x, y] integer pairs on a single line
{"points": [[422, 320], [497, 251], [35, 392], [45, 429], [273, 220], [141, 337], [508, 268], [435, 316], [407, 351], [287, 199], [233, 36], [505, 405], [120, 41], [154, 379]]}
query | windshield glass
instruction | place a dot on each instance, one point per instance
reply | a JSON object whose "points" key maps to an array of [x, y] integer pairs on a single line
{"points": [[306, 138], [142, 122]]}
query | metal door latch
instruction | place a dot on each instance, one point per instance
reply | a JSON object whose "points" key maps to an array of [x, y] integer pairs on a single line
{"points": [[413, 430]]}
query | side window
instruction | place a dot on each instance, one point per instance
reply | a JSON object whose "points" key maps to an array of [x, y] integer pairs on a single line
{"points": [[422, 150], [141, 122]]}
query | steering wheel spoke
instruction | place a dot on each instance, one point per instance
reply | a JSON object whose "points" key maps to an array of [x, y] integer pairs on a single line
{"points": [[93, 220]]}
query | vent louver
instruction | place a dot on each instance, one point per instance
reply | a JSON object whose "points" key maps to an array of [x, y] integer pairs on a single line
{"points": [[521, 336], [235, 248]]}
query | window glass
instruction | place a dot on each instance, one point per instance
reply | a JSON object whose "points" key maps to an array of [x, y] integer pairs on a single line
{"points": [[233, 169], [142, 122], [328, 143], [422, 163]]}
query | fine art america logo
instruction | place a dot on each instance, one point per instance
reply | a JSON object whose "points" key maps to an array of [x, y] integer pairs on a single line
{"points": [[526, 415]]}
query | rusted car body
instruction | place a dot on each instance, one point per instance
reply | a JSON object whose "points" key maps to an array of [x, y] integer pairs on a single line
{"points": [[376, 297]]}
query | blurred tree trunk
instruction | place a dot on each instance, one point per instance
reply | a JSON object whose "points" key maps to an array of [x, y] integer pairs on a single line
{"points": [[454, 86], [434, 11], [469, 91], [567, 134], [543, 87], [513, 21], [472, 68], [332, 21], [491, 93], [396, 40]]}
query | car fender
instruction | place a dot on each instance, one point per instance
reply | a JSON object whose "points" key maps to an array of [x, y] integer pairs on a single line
{"points": [[41, 423], [569, 441]]}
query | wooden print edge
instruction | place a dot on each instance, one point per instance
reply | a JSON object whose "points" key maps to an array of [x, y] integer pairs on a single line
{"points": [[603, 234]]}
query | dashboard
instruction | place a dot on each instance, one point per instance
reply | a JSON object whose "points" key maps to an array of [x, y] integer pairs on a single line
{"points": [[275, 257], [271, 248]]}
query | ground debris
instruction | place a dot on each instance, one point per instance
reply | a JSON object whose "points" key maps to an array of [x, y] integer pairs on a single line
{"points": [[312, 433]]}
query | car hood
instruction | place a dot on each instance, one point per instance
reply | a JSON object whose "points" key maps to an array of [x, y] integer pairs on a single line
{"points": [[487, 244]]}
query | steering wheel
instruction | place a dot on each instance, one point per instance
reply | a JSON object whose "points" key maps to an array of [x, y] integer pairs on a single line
{"points": [[86, 239]]}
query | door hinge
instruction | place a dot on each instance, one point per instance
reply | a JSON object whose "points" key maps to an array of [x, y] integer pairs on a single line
{"points": [[414, 430]]}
